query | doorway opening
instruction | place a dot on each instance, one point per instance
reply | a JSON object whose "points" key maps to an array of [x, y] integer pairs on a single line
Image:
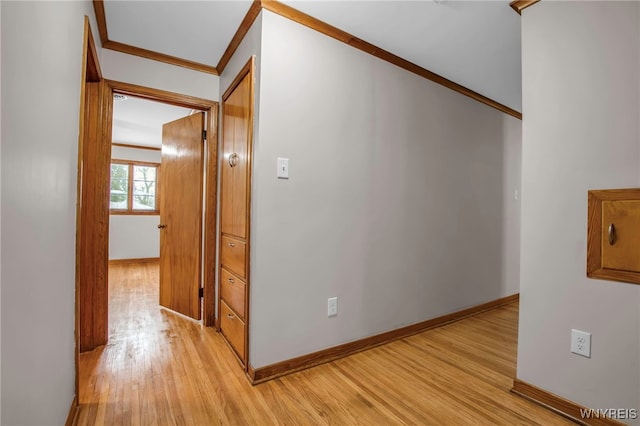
{"points": [[95, 189], [155, 196]]}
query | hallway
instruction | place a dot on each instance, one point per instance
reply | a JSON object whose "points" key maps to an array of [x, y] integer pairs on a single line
{"points": [[160, 368]]}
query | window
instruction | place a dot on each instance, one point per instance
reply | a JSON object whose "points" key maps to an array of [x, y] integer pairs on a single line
{"points": [[134, 187]]}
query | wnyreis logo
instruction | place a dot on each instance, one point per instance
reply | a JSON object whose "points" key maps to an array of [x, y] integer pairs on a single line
{"points": [[612, 413]]}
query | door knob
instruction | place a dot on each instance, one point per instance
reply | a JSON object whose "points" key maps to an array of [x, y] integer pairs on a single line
{"points": [[161, 226]]}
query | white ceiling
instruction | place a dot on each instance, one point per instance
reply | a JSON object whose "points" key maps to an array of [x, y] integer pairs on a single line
{"points": [[473, 43], [199, 31], [139, 121]]}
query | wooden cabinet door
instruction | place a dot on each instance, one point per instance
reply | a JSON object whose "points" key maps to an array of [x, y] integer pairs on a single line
{"points": [[235, 162], [623, 250]]}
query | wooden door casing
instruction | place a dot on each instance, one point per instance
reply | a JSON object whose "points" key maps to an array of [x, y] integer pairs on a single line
{"points": [[93, 221]]}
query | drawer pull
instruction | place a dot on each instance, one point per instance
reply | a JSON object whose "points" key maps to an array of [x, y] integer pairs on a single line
{"points": [[234, 159], [612, 235], [230, 316], [232, 244], [231, 280]]}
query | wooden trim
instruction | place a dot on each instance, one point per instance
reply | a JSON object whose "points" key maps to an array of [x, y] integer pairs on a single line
{"points": [[135, 162], [98, 8], [242, 31], [93, 71], [210, 215], [520, 5], [163, 96], [134, 260], [262, 374], [81, 126], [562, 406], [250, 67], [127, 145], [595, 268], [246, 69], [93, 227], [160, 57], [74, 410], [114, 212], [333, 32]]}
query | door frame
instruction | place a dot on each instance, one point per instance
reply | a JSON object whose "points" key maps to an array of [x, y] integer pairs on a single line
{"points": [[209, 175], [102, 162]]}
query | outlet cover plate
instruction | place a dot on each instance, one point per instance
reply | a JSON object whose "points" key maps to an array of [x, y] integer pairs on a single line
{"points": [[581, 343], [332, 306]]}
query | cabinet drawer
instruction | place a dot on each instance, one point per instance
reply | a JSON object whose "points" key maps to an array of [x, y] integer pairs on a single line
{"points": [[233, 291], [233, 329], [233, 255]]}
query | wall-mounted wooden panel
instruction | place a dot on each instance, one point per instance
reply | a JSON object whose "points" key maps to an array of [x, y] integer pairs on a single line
{"points": [[613, 239]]}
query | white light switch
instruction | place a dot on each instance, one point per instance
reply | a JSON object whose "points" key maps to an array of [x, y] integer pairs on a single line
{"points": [[283, 168]]}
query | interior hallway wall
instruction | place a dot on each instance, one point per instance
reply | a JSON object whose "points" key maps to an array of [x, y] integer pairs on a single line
{"points": [[581, 97], [42, 44], [396, 203]]}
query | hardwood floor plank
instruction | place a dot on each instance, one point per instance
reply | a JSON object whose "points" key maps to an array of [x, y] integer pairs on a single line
{"points": [[160, 368]]}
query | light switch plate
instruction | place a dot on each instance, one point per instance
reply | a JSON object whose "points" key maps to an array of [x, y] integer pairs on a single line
{"points": [[283, 168]]}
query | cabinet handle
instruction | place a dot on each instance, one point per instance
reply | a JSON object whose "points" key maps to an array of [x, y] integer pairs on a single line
{"points": [[230, 316], [231, 280], [161, 226], [233, 160], [232, 245], [612, 234]]}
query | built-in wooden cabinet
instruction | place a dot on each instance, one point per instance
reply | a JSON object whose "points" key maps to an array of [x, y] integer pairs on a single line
{"points": [[613, 240], [235, 204]]}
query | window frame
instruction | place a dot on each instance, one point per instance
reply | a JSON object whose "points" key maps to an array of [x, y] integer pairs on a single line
{"points": [[129, 210]]}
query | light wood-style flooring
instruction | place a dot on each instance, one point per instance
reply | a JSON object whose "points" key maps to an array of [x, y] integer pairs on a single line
{"points": [[162, 369]]}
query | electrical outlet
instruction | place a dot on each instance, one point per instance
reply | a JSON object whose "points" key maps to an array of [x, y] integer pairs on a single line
{"points": [[332, 307], [581, 343]]}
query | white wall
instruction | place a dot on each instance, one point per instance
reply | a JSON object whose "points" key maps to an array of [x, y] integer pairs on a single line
{"points": [[134, 236], [158, 75], [41, 77], [581, 100], [396, 202], [0, 228]]}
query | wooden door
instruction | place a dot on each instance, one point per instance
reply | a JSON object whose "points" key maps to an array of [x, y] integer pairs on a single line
{"points": [[181, 214], [235, 149]]}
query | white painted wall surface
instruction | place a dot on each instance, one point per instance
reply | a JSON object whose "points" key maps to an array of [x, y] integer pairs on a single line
{"points": [[251, 45], [581, 99], [134, 236], [0, 228], [395, 204], [41, 75], [158, 75], [511, 187]]}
